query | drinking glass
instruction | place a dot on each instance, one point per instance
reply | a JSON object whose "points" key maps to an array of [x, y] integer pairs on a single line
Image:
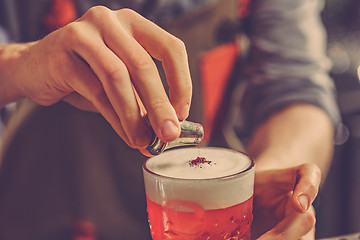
{"points": [[199, 194]]}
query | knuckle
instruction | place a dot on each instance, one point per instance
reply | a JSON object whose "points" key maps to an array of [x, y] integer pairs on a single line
{"points": [[97, 12], [313, 169], [174, 45], [100, 16], [73, 34], [159, 104], [114, 75], [128, 13], [142, 63]]}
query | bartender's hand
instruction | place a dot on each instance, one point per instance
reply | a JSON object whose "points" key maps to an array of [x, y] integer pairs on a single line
{"points": [[103, 62], [286, 194]]}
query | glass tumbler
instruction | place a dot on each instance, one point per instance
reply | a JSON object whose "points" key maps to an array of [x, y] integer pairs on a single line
{"points": [[199, 194]]}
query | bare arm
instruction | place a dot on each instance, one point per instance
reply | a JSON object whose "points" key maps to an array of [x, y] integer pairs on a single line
{"points": [[290, 73], [293, 151], [299, 134], [11, 69]]}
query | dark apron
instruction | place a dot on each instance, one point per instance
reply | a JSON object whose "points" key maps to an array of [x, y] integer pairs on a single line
{"points": [[60, 165]]}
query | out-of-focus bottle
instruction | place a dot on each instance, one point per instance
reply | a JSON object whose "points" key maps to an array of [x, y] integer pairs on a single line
{"points": [[191, 134]]}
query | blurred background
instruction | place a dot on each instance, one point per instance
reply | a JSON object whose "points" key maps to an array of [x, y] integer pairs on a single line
{"points": [[338, 208], [337, 205]]}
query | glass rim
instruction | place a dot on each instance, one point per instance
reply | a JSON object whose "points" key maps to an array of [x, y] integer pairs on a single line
{"points": [[229, 176]]}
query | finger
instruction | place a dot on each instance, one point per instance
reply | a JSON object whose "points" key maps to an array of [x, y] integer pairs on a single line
{"points": [[310, 235], [146, 80], [168, 49], [293, 227], [303, 180], [283, 179], [121, 94], [116, 83], [83, 80], [78, 101], [143, 72], [308, 177]]}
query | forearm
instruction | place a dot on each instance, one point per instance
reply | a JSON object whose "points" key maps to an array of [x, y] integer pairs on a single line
{"points": [[300, 133], [12, 69]]}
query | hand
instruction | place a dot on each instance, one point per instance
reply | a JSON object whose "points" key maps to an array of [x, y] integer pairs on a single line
{"points": [[102, 62], [283, 199]]}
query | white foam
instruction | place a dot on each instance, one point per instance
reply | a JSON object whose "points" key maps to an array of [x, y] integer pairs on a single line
{"points": [[176, 163], [212, 185]]}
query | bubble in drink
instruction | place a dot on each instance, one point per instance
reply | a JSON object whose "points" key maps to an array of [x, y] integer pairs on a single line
{"points": [[199, 194]]}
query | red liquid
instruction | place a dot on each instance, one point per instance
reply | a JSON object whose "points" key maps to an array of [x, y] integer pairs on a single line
{"points": [[232, 223]]}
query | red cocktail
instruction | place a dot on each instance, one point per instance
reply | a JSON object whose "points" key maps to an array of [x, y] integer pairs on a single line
{"points": [[208, 198]]}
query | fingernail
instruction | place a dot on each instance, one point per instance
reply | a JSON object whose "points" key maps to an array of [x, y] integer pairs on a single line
{"points": [[142, 139], [169, 130], [184, 112], [304, 201]]}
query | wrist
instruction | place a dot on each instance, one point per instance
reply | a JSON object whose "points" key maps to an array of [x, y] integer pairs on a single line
{"points": [[299, 134], [13, 71]]}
